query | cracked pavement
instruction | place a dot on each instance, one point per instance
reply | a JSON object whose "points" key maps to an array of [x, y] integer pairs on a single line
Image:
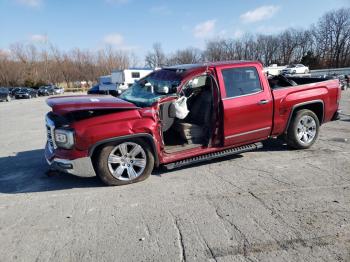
{"points": [[274, 204]]}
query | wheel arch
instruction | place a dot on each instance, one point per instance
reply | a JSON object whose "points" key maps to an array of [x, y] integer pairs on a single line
{"points": [[146, 137], [316, 106]]}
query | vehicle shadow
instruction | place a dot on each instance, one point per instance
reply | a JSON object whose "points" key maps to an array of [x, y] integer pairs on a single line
{"points": [[274, 145], [26, 172], [344, 117], [268, 145]]}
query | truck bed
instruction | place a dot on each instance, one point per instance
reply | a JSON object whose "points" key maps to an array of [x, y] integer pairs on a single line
{"points": [[303, 92], [278, 82]]}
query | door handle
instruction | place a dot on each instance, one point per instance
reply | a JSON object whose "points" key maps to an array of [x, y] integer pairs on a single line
{"points": [[263, 102]]}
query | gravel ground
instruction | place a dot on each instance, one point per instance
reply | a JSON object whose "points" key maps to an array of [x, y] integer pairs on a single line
{"points": [[274, 204]]}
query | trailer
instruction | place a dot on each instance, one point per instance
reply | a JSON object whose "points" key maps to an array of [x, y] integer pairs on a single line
{"points": [[123, 79]]}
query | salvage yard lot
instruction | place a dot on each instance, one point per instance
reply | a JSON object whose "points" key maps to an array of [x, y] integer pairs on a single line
{"points": [[274, 204]]}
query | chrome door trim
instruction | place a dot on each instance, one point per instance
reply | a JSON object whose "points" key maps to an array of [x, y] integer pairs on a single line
{"points": [[251, 94], [247, 133]]}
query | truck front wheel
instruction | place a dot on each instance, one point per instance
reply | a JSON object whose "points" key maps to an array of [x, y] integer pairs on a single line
{"points": [[124, 162], [303, 129]]}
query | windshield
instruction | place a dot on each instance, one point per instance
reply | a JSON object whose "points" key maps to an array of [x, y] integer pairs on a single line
{"points": [[291, 66], [150, 89]]}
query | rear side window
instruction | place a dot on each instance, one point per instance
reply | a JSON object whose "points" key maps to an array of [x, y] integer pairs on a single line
{"points": [[241, 81]]}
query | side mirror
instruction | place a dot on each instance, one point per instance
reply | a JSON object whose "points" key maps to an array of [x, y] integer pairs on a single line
{"points": [[163, 90]]}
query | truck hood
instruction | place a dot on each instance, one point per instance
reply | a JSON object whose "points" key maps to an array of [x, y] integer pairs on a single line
{"points": [[66, 104]]}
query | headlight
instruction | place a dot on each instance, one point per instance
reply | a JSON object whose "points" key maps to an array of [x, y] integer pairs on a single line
{"points": [[64, 138]]}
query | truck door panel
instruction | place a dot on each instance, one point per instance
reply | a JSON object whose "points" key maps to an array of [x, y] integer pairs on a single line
{"points": [[247, 105]]}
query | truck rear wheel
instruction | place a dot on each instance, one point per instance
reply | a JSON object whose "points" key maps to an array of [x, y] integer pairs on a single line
{"points": [[124, 162], [303, 129]]}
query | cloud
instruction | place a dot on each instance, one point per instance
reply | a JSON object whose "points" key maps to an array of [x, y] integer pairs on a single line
{"points": [[116, 40], [30, 3], [204, 29], [223, 33], [259, 14], [39, 38]]}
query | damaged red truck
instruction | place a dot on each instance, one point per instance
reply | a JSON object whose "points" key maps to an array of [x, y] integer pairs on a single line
{"points": [[233, 106]]}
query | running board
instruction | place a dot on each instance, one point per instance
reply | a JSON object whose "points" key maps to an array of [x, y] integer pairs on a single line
{"points": [[210, 156]]}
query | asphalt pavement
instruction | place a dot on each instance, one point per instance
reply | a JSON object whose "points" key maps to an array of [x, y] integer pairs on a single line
{"points": [[274, 204]]}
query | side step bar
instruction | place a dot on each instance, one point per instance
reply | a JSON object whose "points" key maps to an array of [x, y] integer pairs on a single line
{"points": [[210, 156]]}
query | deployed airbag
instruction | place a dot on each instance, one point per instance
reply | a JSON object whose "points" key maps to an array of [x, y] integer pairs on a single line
{"points": [[180, 105]]}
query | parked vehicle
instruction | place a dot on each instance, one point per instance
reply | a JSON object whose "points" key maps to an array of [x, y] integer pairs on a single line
{"points": [[58, 90], [5, 94], [229, 108], [296, 69], [343, 80], [123, 79], [46, 91], [347, 81], [274, 69], [13, 90], [96, 90], [26, 92]]}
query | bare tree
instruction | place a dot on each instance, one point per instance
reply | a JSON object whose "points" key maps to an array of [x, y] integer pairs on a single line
{"points": [[156, 57], [332, 35], [187, 56]]}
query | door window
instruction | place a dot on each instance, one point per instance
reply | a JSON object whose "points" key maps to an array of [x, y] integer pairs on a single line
{"points": [[241, 81], [135, 74]]}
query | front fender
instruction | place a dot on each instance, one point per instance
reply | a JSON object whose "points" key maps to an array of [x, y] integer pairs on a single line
{"points": [[149, 138]]}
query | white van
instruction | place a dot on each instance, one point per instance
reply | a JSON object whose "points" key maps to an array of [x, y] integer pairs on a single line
{"points": [[125, 78]]}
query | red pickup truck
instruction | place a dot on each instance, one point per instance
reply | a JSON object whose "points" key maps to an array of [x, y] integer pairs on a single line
{"points": [[232, 107]]}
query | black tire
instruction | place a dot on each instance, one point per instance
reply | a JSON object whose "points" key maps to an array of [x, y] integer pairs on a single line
{"points": [[292, 138], [102, 167]]}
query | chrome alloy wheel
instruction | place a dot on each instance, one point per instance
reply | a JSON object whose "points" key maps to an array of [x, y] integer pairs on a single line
{"points": [[306, 129], [127, 161]]}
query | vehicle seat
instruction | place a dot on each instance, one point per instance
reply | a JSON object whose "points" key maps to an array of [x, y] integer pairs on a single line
{"points": [[167, 115], [195, 128], [192, 133]]}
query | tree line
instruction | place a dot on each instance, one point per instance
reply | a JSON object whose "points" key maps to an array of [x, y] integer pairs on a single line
{"points": [[325, 44], [28, 65]]}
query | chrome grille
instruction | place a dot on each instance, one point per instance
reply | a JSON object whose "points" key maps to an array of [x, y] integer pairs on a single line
{"points": [[50, 128]]}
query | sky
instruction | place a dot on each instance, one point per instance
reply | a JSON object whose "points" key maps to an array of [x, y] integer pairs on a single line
{"points": [[134, 25]]}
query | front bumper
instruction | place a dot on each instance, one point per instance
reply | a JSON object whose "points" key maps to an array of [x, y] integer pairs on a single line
{"points": [[79, 167]]}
